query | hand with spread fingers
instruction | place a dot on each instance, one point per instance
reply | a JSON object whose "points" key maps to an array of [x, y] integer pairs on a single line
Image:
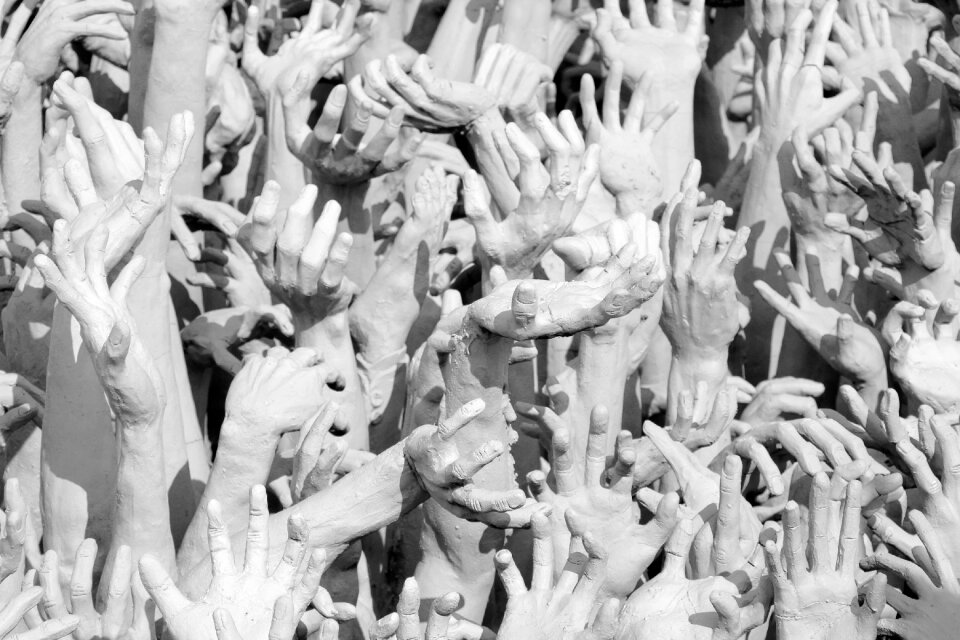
{"points": [[789, 85], [551, 195], [301, 261], [815, 586], [313, 50], [701, 487], [129, 212], [134, 388], [606, 508], [252, 595], [828, 322], [906, 234], [555, 605], [930, 609], [352, 156], [671, 54], [627, 166], [866, 55], [671, 605], [110, 620], [700, 306]]}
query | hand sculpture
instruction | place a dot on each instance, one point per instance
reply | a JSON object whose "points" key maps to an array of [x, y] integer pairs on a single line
{"points": [[819, 600], [701, 487], [911, 247], [924, 363], [56, 25], [866, 55], [429, 103], [789, 90], [19, 608], [627, 167], [608, 510], [445, 472], [780, 397], [249, 595], [344, 158], [699, 281], [551, 606], [112, 621], [829, 323], [301, 262], [128, 213], [313, 48], [931, 612], [671, 605], [550, 200], [669, 54]]}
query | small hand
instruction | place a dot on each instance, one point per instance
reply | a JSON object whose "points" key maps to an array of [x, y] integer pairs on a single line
{"points": [[210, 336]]}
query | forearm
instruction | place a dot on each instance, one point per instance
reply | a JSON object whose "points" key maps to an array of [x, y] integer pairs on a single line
{"points": [[687, 370], [330, 338], [382, 316], [141, 518], [525, 24], [766, 216], [454, 45], [177, 83], [281, 165], [601, 374], [19, 159], [244, 458]]}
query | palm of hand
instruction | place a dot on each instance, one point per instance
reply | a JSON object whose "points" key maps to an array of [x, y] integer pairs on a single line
{"points": [[819, 599], [614, 518], [856, 355], [248, 598], [664, 53], [627, 162], [673, 609], [530, 230], [930, 372]]}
